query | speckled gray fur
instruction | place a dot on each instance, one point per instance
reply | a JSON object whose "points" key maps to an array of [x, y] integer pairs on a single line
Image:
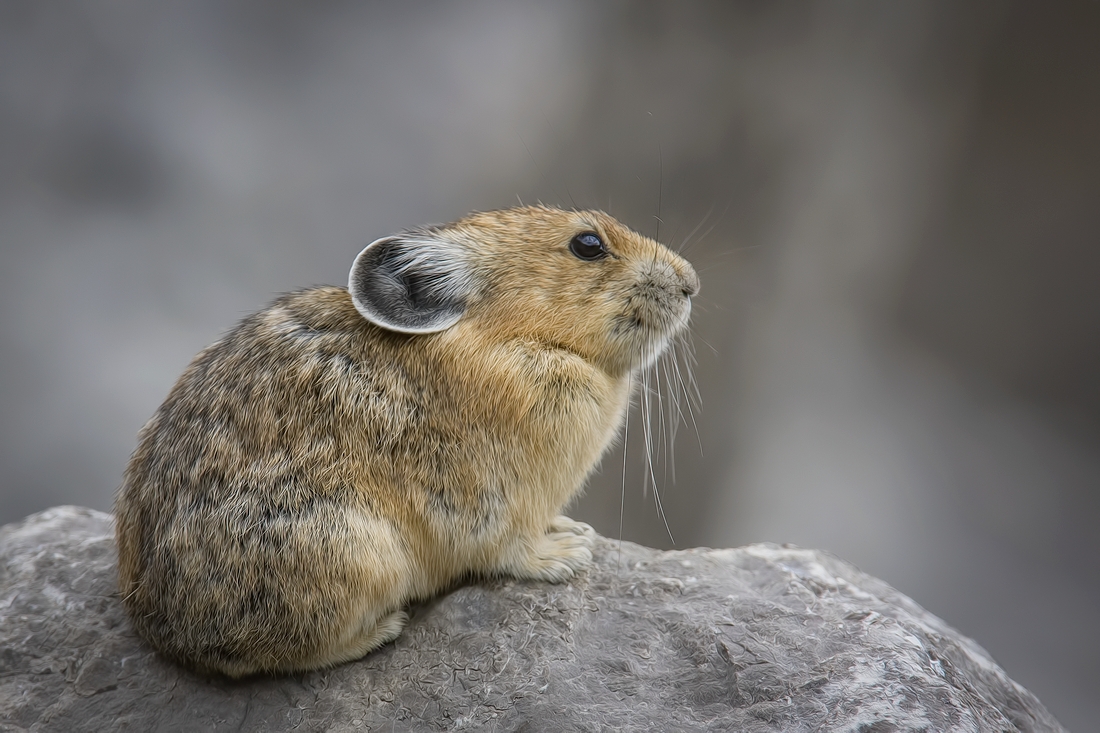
{"points": [[760, 638]]}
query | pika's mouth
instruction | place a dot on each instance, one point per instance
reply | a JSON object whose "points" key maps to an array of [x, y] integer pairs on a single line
{"points": [[657, 321], [649, 323]]}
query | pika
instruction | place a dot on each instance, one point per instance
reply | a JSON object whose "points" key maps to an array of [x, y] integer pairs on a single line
{"points": [[347, 451]]}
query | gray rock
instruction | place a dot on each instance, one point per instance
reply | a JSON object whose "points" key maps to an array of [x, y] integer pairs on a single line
{"points": [[761, 638]]}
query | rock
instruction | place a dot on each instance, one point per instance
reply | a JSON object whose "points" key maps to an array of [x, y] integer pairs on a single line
{"points": [[761, 638]]}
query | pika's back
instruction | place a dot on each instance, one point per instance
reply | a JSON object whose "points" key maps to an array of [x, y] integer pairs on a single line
{"points": [[285, 382]]}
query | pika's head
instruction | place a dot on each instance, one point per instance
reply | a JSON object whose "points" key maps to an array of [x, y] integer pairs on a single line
{"points": [[576, 280]]}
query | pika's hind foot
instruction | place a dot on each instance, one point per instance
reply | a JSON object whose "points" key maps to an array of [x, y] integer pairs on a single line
{"points": [[366, 639], [381, 632]]}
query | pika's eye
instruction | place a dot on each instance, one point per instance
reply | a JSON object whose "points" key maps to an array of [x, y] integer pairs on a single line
{"points": [[588, 246]]}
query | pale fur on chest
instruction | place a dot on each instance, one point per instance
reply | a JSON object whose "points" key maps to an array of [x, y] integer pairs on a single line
{"points": [[530, 426]]}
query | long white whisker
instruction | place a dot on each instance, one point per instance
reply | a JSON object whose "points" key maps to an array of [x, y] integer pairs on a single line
{"points": [[626, 444], [676, 389], [675, 415], [647, 433], [692, 392], [661, 511], [660, 418], [691, 363], [682, 398]]}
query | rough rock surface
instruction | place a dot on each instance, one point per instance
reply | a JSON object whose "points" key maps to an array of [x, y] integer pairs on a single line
{"points": [[761, 638]]}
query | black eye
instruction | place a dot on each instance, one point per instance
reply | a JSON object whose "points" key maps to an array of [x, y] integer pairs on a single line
{"points": [[588, 246]]}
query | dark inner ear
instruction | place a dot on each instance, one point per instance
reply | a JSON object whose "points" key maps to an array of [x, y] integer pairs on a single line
{"points": [[419, 296], [416, 298]]}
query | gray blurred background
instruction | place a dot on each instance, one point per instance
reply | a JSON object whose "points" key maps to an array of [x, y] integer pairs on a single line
{"points": [[897, 212]]}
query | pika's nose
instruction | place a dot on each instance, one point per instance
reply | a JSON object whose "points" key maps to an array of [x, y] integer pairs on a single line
{"points": [[689, 280]]}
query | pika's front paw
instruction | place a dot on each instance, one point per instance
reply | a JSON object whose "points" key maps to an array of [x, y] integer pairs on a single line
{"points": [[556, 556], [562, 556]]}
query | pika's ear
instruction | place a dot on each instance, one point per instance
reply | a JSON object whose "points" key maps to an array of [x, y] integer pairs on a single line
{"points": [[416, 282]]}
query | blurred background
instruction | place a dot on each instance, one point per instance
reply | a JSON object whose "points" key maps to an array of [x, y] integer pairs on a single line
{"points": [[897, 228]]}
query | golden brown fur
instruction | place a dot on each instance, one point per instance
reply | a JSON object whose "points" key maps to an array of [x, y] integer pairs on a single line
{"points": [[312, 472]]}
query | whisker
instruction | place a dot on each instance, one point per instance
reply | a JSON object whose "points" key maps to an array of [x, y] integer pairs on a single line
{"points": [[660, 195], [712, 226], [675, 232], [735, 250], [660, 442], [661, 512], [626, 444], [674, 414], [691, 393], [647, 433], [674, 373], [694, 231], [707, 343], [691, 361]]}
